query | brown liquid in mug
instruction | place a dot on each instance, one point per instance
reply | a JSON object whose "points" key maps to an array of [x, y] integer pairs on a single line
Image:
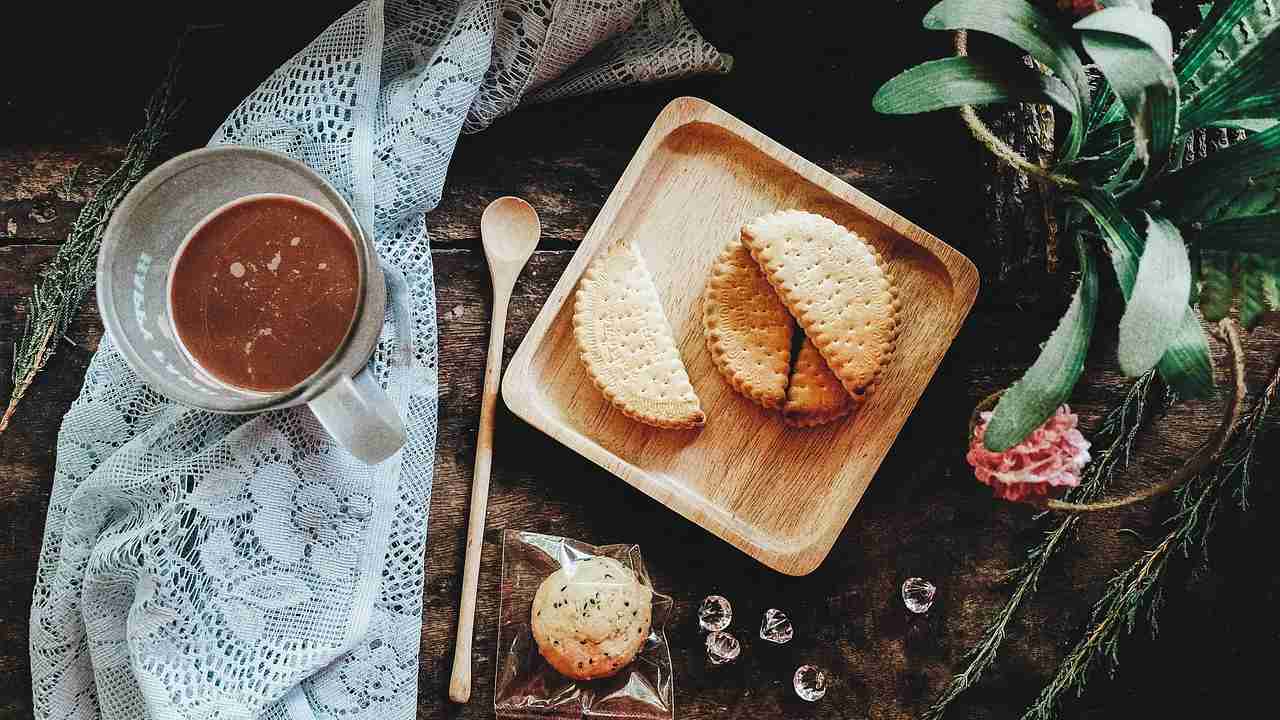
{"points": [[264, 292]]}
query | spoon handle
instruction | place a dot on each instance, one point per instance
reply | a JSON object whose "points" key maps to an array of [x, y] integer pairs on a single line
{"points": [[460, 681]]}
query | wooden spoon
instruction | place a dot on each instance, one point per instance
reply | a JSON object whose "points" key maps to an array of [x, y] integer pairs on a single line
{"points": [[509, 230]]}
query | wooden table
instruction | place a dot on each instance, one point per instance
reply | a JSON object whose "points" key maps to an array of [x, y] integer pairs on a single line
{"points": [[804, 78]]}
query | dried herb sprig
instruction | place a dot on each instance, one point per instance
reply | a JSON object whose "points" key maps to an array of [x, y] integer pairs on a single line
{"points": [[1140, 585], [1116, 436], [63, 282]]}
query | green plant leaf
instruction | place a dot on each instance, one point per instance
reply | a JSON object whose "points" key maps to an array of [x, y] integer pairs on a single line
{"points": [[1252, 277], [1140, 25], [1230, 30], [1253, 126], [1216, 290], [1154, 309], [952, 82], [1134, 50], [1029, 28], [1270, 285], [1248, 233], [1103, 109], [1257, 290], [1232, 181], [1248, 88], [1186, 365], [1048, 382]]}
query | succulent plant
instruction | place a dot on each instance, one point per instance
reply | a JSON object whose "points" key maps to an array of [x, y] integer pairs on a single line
{"points": [[1181, 237]]}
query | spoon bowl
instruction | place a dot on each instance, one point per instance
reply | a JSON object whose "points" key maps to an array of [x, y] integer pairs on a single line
{"points": [[509, 230]]}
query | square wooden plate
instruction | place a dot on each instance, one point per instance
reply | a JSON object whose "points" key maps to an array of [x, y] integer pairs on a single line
{"points": [[780, 494]]}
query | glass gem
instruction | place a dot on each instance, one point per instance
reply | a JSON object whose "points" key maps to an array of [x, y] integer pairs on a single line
{"points": [[776, 627], [722, 647], [715, 613], [917, 594], [810, 682]]}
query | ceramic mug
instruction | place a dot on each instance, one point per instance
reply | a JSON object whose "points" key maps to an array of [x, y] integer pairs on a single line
{"points": [[134, 263]]}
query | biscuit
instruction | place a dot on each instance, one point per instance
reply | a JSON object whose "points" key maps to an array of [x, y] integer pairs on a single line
{"points": [[747, 328], [590, 618], [814, 394], [627, 345], [836, 286]]}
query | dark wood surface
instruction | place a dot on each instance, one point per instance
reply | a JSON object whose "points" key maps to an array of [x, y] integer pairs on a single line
{"points": [[804, 75]]}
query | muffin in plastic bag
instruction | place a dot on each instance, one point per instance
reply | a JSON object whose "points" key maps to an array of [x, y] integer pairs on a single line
{"points": [[596, 618]]}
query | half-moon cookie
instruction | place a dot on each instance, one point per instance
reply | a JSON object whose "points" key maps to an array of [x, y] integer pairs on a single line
{"points": [[591, 617], [627, 345], [747, 328], [814, 394], [836, 286]]}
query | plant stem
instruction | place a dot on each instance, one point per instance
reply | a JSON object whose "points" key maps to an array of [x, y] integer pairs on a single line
{"points": [[21, 384]]}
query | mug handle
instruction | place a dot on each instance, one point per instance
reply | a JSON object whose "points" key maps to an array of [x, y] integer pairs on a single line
{"points": [[360, 416]]}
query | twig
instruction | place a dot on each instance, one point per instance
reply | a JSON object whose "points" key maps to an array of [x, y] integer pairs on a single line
{"points": [[1201, 458], [20, 386]]}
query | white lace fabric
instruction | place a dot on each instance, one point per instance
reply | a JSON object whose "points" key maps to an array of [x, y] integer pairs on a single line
{"points": [[212, 566]]}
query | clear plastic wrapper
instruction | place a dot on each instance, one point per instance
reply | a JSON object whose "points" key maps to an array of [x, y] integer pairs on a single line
{"points": [[527, 686]]}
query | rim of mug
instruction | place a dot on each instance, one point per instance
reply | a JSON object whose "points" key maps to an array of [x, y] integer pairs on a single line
{"points": [[306, 389]]}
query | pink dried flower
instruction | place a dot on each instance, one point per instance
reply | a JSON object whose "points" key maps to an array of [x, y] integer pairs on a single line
{"points": [[1048, 459], [1079, 7]]}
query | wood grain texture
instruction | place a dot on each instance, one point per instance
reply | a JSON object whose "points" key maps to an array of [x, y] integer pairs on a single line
{"points": [[778, 493], [928, 518], [803, 75]]}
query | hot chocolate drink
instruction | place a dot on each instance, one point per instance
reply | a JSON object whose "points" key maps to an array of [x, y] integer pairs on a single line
{"points": [[263, 292]]}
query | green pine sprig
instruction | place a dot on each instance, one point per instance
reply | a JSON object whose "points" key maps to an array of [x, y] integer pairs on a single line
{"points": [[1116, 436], [1139, 587], [63, 282]]}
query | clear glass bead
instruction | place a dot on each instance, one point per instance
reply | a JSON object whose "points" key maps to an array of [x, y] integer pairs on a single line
{"points": [[917, 594], [776, 627], [810, 682], [722, 647], [715, 613]]}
